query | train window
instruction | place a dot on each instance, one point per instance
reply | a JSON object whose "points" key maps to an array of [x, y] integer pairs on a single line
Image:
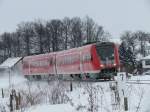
{"points": [[106, 53], [66, 60], [34, 64], [53, 61], [50, 61], [147, 62], [43, 63], [69, 60], [87, 57], [75, 58]]}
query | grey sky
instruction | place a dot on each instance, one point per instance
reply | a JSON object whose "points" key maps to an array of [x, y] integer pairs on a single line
{"points": [[115, 15]]}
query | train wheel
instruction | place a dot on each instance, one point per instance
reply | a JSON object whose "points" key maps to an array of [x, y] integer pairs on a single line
{"points": [[109, 78], [27, 77], [113, 78], [71, 76], [76, 76], [30, 78], [60, 77], [38, 77], [83, 76]]}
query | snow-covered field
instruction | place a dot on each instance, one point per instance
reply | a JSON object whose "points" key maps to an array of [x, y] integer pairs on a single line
{"points": [[55, 96]]}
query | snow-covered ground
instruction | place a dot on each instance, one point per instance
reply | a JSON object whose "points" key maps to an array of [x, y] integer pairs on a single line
{"points": [[137, 92], [55, 96]]}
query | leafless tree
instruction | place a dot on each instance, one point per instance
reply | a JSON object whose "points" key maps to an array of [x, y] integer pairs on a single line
{"points": [[66, 31], [90, 29], [92, 97], [57, 93], [7, 43], [142, 38], [130, 39], [47, 36], [76, 32], [39, 35], [55, 27], [25, 30]]}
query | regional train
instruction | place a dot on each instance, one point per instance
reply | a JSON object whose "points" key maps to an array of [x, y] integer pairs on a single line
{"points": [[92, 61]]}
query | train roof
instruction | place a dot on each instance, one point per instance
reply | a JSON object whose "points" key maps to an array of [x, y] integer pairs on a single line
{"points": [[58, 52], [85, 47]]}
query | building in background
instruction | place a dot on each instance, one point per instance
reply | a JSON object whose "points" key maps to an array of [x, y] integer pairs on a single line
{"points": [[11, 66], [145, 63]]}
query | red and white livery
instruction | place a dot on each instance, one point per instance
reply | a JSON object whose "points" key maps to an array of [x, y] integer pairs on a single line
{"points": [[100, 60]]}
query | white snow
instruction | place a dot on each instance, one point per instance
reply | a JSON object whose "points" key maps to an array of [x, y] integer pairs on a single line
{"points": [[51, 108], [79, 97]]}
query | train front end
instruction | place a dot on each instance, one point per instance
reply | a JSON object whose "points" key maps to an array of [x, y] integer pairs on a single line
{"points": [[108, 58]]}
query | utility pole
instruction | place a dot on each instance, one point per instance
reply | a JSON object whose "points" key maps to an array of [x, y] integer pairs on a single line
{"points": [[2, 93]]}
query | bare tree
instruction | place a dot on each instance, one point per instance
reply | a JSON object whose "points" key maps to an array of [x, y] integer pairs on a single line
{"points": [[142, 38], [90, 28], [76, 32], [39, 35], [94, 32], [101, 35], [55, 27], [54, 35], [66, 31], [16, 44], [129, 38], [7, 44], [25, 30], [92, 97]]}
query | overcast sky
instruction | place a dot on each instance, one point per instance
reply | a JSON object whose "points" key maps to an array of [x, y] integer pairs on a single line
{"points": [[115, 15]]}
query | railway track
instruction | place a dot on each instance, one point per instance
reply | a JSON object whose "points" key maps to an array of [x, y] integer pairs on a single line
{"points": [[89, 80], [138, 82]]}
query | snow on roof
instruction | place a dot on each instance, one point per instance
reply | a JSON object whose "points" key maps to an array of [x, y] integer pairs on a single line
{"points": [[147, 57], [8, 63]]}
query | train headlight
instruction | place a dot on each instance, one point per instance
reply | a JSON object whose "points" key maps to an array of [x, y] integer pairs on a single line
{"points": [[115, 64], [102, 65]]}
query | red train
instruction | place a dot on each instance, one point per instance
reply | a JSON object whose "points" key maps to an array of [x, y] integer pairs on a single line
{"points": [[96, 61]]}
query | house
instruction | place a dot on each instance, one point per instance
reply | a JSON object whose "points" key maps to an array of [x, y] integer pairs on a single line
{"points": [[11, 65], [145, 63]]}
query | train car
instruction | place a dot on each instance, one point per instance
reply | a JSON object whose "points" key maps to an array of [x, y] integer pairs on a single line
{"points": [[39, 65], [78, 62], [96, 61]]}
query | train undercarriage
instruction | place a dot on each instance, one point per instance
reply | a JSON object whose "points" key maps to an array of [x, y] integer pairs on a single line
{"points": [[105, 74]]}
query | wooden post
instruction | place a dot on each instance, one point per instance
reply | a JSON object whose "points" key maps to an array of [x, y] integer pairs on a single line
{"points": [[71, 89], [2, 93], [11, 102], [19, 99], [125, 104], [17, 102], [14, 93]]}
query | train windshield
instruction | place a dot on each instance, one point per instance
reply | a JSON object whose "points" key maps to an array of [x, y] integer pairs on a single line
{"points": [[106, 53]]}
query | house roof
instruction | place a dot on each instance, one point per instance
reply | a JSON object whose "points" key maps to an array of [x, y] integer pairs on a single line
{"points": [[10, 62]]}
